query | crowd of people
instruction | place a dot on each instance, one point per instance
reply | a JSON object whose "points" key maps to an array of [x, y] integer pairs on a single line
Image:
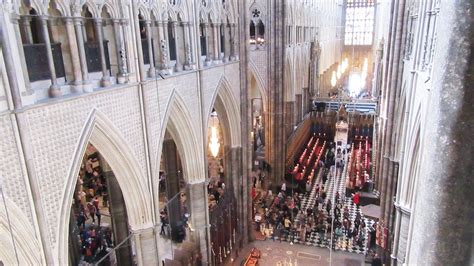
{"points": [[215, 190], [90, 202], [281, 216]]}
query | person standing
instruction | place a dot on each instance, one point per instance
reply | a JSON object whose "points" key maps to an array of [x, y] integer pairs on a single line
{"points": [[356, 199], [98, 214], [92, 210], [81, 220]]}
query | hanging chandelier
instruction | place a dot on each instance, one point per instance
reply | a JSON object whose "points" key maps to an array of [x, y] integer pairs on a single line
{"points": [[214, 144], [333, 79]]}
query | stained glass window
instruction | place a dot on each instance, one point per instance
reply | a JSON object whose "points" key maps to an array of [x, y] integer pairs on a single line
{"points": [[359, 28]]}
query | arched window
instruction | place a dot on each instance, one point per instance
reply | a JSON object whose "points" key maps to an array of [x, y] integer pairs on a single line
{"points": [[35, 31], [260, 29], [252, 30], [360, 17], [171, 41], [202, 31]]}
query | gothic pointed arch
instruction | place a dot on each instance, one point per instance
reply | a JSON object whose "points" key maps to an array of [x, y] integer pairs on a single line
{"points": [[26, 245], [260, 83], [224, 102], [101, 133], [177, 120]]}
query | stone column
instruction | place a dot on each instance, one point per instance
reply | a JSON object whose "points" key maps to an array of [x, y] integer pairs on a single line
{"points": [[105, 80], [298, 109], [170, 159], [216, 40], [200, 218], [86, 84], [118, 215], [15, 18], [188, 46], [233, 42], [84, 32], [220, 37], [26, 28], [208, 52], [54, 89], [290, 117], [125, 48], [442, 228], [163, 30], [75, 61], [151, 70], [177, 67], [402, 224], [121, 53], [145, 245], [226, 44]]}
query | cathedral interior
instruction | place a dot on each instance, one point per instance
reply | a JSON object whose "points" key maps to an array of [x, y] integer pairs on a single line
{"points": [[236, 132]]}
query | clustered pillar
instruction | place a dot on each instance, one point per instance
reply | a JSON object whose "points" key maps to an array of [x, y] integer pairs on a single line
{"points": [[177, 66], [86, 85], [105, 80], [164, 47], [121, 57], [54, 89], [76, 66], [151, 70]]}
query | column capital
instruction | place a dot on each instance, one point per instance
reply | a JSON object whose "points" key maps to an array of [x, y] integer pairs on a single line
{"points": [[147, 22], [124, 21], [15, 18], [116, 21], [25, 20], [78, 19], [68, 20], [98, 20], [43, 19], [216, 24]]}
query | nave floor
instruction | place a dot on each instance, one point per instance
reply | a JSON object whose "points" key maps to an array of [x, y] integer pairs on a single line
{"points": [[275, 253]]}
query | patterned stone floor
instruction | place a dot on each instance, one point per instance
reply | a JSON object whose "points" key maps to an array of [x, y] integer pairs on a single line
{"points": [[313, 238], [285, 254]]}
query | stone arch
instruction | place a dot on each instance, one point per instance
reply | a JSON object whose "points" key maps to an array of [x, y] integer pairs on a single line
{"points": [[27, 245], [61, 6], [156, 13], [41, 8], [213, 17], [110, 9], [177, 120], [224, 101], [92, 8], [101, 133], [143, 10], [259, 81]]}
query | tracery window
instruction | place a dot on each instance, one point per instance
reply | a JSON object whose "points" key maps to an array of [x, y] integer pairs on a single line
{"points": [[359, 28], [412, 21], [429, 43]]}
